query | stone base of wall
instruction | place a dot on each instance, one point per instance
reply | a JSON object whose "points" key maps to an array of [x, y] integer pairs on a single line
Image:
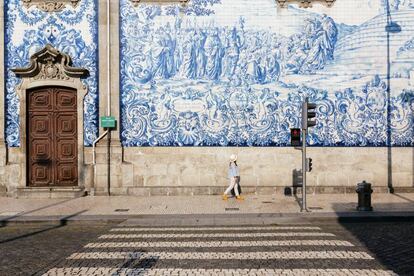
{"points": [[203, 170], [63, 192], [11, 178], [266, 190]]}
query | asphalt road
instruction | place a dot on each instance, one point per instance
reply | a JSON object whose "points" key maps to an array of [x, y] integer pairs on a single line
{"points": [[376, 248]]}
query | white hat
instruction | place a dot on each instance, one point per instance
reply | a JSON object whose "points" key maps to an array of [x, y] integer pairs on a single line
{"points": [[233, 158]]}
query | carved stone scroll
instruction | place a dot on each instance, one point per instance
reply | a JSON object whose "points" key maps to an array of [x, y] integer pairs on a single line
{"points": [[50, 64], [305, 3], [137, 2], [50, 5]]}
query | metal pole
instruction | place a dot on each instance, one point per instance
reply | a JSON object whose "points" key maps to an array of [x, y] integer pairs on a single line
{"points": [[304, 129], [389, 148], [304, 208], [108, 57], [109, 84], [109, 164]]}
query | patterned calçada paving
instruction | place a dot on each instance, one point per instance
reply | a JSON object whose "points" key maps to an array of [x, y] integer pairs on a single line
{"points": [[266, 250]]}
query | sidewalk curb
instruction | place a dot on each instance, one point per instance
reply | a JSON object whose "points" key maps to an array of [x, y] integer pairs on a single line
{"points": [[215, 219]]}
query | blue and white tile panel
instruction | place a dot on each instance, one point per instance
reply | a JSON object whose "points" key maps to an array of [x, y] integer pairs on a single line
{"points": [[73, 31], [225, 72]]}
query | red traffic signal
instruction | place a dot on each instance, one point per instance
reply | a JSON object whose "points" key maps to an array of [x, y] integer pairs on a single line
{"points": [[295, 137]]}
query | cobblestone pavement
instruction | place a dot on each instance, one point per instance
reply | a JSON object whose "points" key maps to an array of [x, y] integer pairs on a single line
{"points": [[390, 243], [317, 249], [28, 248]]}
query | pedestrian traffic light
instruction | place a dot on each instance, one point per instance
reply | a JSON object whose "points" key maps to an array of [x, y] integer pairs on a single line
{"points": [[308, 164], [308, 112], [295, 137]]}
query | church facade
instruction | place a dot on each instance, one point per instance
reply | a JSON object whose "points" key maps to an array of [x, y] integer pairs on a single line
{"points": [[191, 83]]}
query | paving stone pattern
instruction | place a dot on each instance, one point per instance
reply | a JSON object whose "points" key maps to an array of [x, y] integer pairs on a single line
{"points": [[390, 243], [29, 248], [285, 250]]}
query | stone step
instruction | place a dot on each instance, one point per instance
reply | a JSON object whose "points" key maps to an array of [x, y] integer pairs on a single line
{"points": [[50, 192]]}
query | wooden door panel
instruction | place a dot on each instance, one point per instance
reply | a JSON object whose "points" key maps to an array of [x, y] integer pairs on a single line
{"points": [[65, 101], [41, 100], [40, 124], [67, 150], [41, 175], [40, 150], [52, 137], [66, 125], [66, 174]]}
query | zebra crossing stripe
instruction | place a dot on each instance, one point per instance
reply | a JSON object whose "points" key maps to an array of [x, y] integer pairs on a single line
{"points": [[199, 272], [224, 255], [136, 229], [198, 244], [215, 235]]}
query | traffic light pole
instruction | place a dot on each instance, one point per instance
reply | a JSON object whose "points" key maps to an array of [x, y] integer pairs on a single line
{"points": [[304, 206], [307, 113]]}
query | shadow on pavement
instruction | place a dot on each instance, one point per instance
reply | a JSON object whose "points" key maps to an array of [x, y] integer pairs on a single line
{"points": [[389, 239], [296, 188], [62, 222], [403, 197], [6, 220]]}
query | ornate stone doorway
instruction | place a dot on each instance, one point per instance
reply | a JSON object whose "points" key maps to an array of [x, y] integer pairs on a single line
{"points": [[51, 94], [52, 137]]}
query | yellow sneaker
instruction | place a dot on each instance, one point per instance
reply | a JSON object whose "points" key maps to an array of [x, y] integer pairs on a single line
{"points": [[225, 197], [239, 197]]}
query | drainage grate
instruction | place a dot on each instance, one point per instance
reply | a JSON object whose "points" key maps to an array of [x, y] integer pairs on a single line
{"points": [[121, 210], [232, 209], [315, 208], [267, 202]]}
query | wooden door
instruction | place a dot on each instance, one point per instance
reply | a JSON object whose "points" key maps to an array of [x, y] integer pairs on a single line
{"points": [[52, 154]]}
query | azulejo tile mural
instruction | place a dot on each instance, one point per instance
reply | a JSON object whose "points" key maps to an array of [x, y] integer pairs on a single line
{"points": [[226, 72], [74, 31]]}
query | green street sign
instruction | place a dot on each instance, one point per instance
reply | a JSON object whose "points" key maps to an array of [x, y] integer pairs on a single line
{"points": [[108, 122]]}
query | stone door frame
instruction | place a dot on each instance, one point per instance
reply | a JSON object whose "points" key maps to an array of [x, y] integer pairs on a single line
{"points": [[49, 67]]}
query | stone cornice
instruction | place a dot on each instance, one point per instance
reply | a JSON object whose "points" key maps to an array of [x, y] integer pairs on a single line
{"points": [[282, 3], [50, 64], [305, 3], [137, 2], [50, 5]]}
